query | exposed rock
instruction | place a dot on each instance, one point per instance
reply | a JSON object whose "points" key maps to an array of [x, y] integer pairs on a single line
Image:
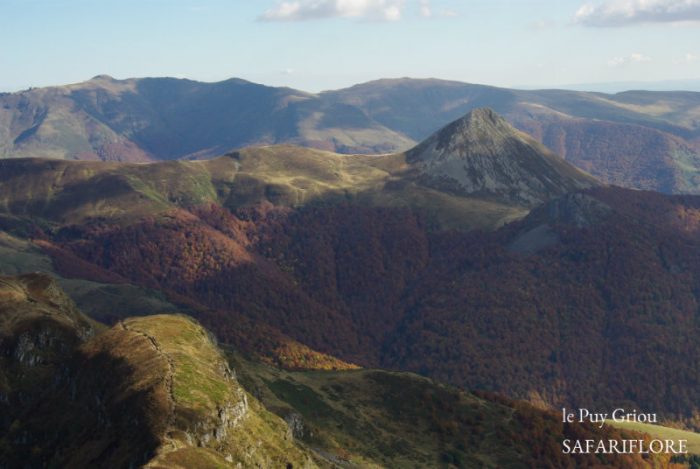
{"points": [[295, 422], [152, 391], [481, 154]]}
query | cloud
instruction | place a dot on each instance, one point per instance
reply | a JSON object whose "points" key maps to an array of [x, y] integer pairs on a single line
{"points": [[303, 10], [630, 59], [425, 9], [626, 12], [688, 58]]}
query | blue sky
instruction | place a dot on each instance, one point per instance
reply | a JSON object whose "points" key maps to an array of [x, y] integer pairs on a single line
{"points": [[324, 44]]}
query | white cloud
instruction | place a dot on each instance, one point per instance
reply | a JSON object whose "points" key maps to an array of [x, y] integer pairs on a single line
{"points": [[301, 10], [425, 10], [630, 59], [625, 12], [688, 58]]}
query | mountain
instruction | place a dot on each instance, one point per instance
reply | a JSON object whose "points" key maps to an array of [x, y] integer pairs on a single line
{"points": [[637, 139], [157, 392], [165, 118], [482, 154], [309, 259]]}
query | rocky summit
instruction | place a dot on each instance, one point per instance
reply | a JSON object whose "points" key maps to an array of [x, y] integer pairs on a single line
{"points": [[481, 154]]}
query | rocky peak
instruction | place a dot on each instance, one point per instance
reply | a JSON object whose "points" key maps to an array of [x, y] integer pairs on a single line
{"points": [[483, 155]]}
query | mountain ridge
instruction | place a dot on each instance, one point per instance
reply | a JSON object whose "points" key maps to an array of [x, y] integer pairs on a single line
{"points": [[644, 140], [157, 392]]}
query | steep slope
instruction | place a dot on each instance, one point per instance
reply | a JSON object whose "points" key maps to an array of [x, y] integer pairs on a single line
{"points": [[590, 299], [481, 154], [154, 391], [398, 420]]}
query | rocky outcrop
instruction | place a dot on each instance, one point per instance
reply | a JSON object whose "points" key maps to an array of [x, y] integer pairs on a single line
{"points": [[153, 391]]}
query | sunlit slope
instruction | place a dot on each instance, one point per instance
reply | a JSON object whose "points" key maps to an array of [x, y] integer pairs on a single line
{"points": [[153, 391], [62, 193]]}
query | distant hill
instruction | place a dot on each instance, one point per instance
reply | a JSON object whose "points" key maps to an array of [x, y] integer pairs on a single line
{"points": [[637, 139], [166, 118]]}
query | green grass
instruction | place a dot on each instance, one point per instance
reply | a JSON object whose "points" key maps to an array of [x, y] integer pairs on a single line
{"points": [[383, 419], [198, 384], [60, 193], [663, 433], [200, 389]]}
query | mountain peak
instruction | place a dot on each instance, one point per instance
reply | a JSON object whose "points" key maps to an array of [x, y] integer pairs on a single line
{"points": [[103, 77], [483, 114], [482, 154], [480, 131]]}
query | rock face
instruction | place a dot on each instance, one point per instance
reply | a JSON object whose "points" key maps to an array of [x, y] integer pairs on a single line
{"points": [[152, 391], [39, 327], [482, 155]]}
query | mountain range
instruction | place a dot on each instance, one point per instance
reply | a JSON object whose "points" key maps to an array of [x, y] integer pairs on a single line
{"points": [[636, 139], [351, 255], [477, 258]]}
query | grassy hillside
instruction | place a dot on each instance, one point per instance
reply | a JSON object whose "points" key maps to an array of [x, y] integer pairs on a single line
{"points": [[372, 418], [663, 433], [151, 391], [54, 193]]}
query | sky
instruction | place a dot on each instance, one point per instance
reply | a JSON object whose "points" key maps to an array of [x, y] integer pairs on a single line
{"points": [[315, 45]]}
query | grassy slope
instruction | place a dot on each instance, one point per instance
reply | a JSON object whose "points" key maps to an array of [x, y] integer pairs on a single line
{"points": [[202, 390], [345, 420], [371, 418], [156, 388], [663, 433], [62, 193]]}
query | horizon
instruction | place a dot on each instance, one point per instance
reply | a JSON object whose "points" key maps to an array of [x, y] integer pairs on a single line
{"points": [[332, 44]]}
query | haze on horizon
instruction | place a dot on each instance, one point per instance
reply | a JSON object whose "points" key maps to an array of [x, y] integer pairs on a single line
{"points": [[314, 45]]}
